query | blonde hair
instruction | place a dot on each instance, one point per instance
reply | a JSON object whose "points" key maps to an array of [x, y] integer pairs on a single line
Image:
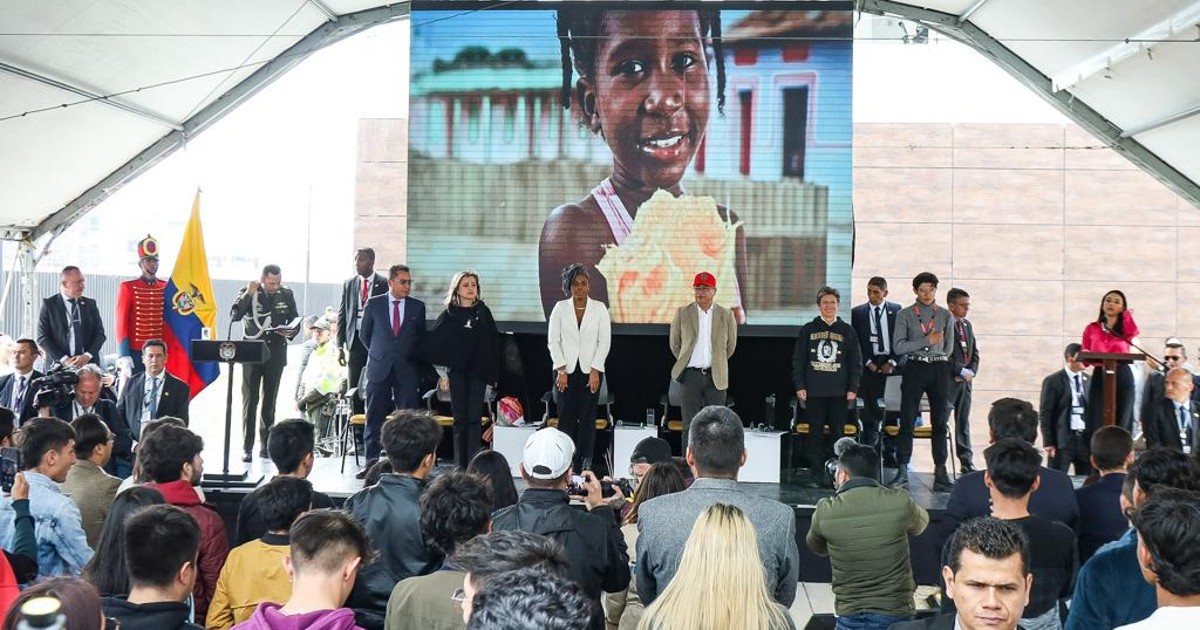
{"points": [[720, 582], [452, 294]]}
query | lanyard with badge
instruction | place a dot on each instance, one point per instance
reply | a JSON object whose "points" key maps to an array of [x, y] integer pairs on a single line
{"points": [[926, 330]]}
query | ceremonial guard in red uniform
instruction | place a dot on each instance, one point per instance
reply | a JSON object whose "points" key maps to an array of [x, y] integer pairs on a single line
{"points": [[140, 306]]}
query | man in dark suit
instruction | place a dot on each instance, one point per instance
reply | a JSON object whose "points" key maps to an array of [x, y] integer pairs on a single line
{"points": [[1174, 356], [154, 393], [1101, 519], [1055, 496], [1171, 422], [964, 364], [15, 390], [356, 291], [988, 577], [392, 329], [1063, 415], [70, 330], [874, 323], [87, 400]]}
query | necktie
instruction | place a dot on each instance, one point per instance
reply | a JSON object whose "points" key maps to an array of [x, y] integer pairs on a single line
{"points": [[154, 398], [363, 299], [962, 341], [20, 396], [879, 331], [395, 317], [1183, 420], [74, 327], [1078, 388]]}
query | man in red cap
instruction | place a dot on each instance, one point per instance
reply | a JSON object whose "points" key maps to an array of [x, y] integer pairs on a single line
{"points": [[703, 337], [140, 306]]}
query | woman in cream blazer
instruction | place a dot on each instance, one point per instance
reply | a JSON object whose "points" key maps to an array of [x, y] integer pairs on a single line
{"points": [[579, 338]]}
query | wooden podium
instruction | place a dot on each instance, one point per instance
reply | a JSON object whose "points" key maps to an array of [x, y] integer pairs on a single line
{"points": [[1110, 361]]}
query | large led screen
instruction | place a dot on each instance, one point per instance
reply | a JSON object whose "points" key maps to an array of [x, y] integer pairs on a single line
{"points": [[647, 141]]}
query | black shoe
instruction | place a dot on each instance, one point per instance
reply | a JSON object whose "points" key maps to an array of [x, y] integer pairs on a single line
{"points": [[941, 480], [967, 467], [264, 454], [889, 461], [901, 478], [246, 457]]}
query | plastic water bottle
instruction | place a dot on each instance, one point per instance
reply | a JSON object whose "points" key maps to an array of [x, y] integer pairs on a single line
{"points": [[42, 613], [649, 416]]}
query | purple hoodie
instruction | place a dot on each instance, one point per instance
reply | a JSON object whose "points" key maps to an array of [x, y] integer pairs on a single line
{"points": [[268, 617]]}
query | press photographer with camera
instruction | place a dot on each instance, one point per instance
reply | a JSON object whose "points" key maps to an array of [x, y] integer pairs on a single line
{"points": [[68, 394]]}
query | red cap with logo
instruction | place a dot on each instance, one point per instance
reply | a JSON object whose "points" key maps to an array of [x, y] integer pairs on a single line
{"points": [[705, 279]]}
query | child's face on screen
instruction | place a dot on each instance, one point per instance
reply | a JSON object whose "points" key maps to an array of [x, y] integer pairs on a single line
{"points": [[649, 93]]}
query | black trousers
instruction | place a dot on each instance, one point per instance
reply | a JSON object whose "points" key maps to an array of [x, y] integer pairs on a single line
{"points": [[870, 390], [960, 399], [821, 412], [696, 391], [466, 403], [1076, 452], [261, 378], [933, 380], [384, 397], [577, 416], [354, 365], [1125, 395]]}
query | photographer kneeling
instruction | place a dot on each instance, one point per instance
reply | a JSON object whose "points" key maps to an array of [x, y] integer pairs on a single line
{"points": [[56, 398]]}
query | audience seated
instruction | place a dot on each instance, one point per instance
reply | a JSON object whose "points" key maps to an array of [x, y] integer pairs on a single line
{"points": [[716, 450], [1055, 496], [107, 570], [327, 549], [528, 599], [493, 466], [648, 452], [78, 602], [161, 544], [390, 512], [1100, 517], [864, 530], [290, 445], [375, 472], [171, 459], [47, 453], [253, 572], [137, 476], [623, 609], [719, 582], [19, 566], [87, 484], [1110, 591], [1011, 477], [454, 509], [986, 574], [593, 544], [484, 558], [8, 424], [1168, 527]]}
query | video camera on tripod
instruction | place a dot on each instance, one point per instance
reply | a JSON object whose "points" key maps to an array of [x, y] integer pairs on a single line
{"points": [[56, 387]]}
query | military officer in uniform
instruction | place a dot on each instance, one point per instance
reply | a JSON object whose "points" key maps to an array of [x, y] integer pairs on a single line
{"points": [[269, 310]]}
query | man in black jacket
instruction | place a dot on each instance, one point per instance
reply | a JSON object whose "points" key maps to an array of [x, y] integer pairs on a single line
{"points": [[874, 322], [70, 330], [825, 369], [356, 291], [16, 391], [1063, 415], [594, 546], [154, 392], [1171, 421], [161, 543], [291, 447], [964, 365], [87, 400], [390, 512]]}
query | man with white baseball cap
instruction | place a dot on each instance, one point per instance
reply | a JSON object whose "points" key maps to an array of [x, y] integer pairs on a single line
{"points": [[593, 544]]}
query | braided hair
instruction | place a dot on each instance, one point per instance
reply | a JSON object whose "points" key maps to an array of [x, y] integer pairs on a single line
{"points": [[568, 276], [579, 31]]}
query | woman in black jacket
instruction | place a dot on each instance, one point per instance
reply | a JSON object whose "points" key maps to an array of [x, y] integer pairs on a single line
{"points": [[465, 345]]}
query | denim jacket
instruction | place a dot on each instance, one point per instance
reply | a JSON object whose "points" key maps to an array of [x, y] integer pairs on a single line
{"points": [[62, 547]]}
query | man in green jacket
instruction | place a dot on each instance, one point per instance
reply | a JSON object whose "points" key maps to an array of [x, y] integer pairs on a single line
{"points": [[864, 530]]}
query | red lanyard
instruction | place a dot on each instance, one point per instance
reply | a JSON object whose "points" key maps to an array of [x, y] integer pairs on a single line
{"points": [[932, 317]]}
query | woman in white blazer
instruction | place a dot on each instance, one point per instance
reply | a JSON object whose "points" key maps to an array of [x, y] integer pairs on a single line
{"points": [[579, 337]]}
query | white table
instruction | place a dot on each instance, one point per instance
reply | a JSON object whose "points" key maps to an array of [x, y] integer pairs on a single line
{"points": [[762, 457], [510, 442]]}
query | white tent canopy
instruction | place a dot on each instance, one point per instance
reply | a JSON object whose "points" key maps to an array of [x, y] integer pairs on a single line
{"points": [[93, 94], [1125, 71]]}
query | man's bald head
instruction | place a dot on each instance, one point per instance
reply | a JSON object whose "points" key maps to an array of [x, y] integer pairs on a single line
{"points": [[1179, 385]]}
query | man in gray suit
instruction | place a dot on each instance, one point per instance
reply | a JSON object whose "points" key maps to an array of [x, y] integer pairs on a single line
{"points": [[715, 452], [703, 337]]}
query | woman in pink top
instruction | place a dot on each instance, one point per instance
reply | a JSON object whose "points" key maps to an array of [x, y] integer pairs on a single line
{"points": [[1112, 331]]}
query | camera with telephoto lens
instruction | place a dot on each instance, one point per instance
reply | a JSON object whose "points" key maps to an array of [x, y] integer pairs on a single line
{"points": [[57, 387]]}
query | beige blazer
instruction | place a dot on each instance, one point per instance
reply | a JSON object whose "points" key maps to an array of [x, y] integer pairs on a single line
{"points": [[584, 344], [93, 491], [724, 340]]}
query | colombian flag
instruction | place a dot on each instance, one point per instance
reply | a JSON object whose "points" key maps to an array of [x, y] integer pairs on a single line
{"points": [[189, 306]]}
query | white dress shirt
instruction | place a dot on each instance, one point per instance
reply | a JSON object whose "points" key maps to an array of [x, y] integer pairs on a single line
{"points": [[702, 352], [1078, 397]]}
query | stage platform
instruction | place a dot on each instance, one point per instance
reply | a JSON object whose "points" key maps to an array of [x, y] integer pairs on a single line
{"points": [[328, 478]]}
